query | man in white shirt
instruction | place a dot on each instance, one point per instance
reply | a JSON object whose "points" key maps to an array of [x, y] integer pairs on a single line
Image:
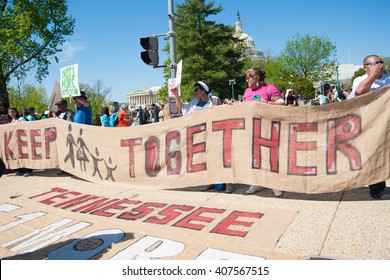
{"points": [[374, 79]]}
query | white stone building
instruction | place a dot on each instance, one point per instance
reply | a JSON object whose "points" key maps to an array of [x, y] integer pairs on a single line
{"points": [[143, 97], [346, 71]]}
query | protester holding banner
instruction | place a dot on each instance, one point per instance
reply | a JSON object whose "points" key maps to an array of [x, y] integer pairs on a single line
{"points": [[259, 90], [123, 116], [374, 79], [291, 100], [14, 115], [105, 117], [201, 102], [31, 114], [84, 110], [63, 111], [4, 117], [16, 118]]}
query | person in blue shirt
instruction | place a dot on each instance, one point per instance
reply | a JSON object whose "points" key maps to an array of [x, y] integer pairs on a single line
{"points": [[31, 114], [83, 109], [105, 117]]}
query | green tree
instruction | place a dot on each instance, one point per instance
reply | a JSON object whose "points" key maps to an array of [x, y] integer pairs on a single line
{"points": [[209, 50], [31, 33], [279, 75], [311, 57], [25, 96], [305, 87], [386, 65]]}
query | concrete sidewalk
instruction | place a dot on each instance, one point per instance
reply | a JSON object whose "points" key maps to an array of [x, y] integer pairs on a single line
{"points": [[348, 225]]}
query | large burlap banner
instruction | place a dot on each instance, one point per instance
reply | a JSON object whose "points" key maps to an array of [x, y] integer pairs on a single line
{"points": [[300, 149]]}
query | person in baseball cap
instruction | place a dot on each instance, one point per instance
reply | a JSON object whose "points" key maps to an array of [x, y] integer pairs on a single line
{"points": [[63, 111], [62, 102]]}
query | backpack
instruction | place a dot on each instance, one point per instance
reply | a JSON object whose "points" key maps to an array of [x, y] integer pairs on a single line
{"points": [[114, 119]]}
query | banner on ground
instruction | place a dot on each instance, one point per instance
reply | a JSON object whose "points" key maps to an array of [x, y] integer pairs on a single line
{"points": [[314, 149]]}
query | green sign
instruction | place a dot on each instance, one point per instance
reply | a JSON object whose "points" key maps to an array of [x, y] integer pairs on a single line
{"points": [[69, 81]]}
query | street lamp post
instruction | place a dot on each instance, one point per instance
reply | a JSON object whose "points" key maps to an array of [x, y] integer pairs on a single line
{"points": [[232, 82]]}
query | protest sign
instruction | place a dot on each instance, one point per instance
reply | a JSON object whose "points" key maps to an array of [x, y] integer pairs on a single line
{"points": [[69, 81]]}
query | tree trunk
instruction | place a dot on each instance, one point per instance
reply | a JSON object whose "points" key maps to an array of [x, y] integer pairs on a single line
{"points": [[4, 91]]}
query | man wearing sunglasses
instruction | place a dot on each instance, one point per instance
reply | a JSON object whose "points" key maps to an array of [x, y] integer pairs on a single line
{"points": [[374, 79]]}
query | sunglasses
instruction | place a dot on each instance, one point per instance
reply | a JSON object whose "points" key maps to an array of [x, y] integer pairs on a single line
{"points": [[374, 63], [196, 89]]}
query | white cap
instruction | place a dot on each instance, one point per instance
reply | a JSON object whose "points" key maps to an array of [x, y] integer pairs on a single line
{"points": [[204, 86]]}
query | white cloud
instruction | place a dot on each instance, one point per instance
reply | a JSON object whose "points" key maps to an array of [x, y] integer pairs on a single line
{"points": [[69, 50]]}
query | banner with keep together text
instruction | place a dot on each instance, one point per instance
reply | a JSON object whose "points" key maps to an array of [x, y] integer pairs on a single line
{"points": [[314, 149]]}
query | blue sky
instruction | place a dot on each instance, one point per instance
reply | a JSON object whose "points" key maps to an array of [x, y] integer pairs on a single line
{"points": [[106, 37]]}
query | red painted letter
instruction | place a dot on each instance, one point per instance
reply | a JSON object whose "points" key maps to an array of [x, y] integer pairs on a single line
{"points": [[50, 136], [295, 145], [173, 153], [21, 133], [8, 153], [196, 216], [195, 148], [168, 214], [141, 211], [227, 127], [152, 156], [223, 227], [340, 132], [131, 143], [34, 144], [272, 143]]}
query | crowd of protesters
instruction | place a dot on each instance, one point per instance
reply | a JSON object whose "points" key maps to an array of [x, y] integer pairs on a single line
{"points": [[258, 90]]}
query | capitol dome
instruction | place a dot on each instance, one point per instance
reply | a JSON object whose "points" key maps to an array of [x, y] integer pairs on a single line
{"points": [[252, 52]]}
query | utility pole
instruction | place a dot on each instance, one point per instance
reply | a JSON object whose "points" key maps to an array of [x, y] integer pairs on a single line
{"points": [[172, 38]]}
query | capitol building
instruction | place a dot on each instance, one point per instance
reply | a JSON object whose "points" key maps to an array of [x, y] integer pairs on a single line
{"points": [[251, 51], [143, 97]]}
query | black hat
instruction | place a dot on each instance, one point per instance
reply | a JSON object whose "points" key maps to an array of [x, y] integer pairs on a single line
{"points": [[61, 101], [82, 94]]}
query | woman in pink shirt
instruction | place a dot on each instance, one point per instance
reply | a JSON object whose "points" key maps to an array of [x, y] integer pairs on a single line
{"points": [[259, 90]]}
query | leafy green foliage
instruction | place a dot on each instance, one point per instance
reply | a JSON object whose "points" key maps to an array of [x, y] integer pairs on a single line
{"points": [[309, 56], [27, 97], [305, 87], [209, 51], [31, 33], [279, 75], [386, 65]]}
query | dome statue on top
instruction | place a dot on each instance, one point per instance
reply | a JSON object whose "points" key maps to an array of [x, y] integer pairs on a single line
{"points": [[252, 52]]}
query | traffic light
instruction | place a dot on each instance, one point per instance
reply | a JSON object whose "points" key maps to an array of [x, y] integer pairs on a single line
{"points": [[150, 55]]}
